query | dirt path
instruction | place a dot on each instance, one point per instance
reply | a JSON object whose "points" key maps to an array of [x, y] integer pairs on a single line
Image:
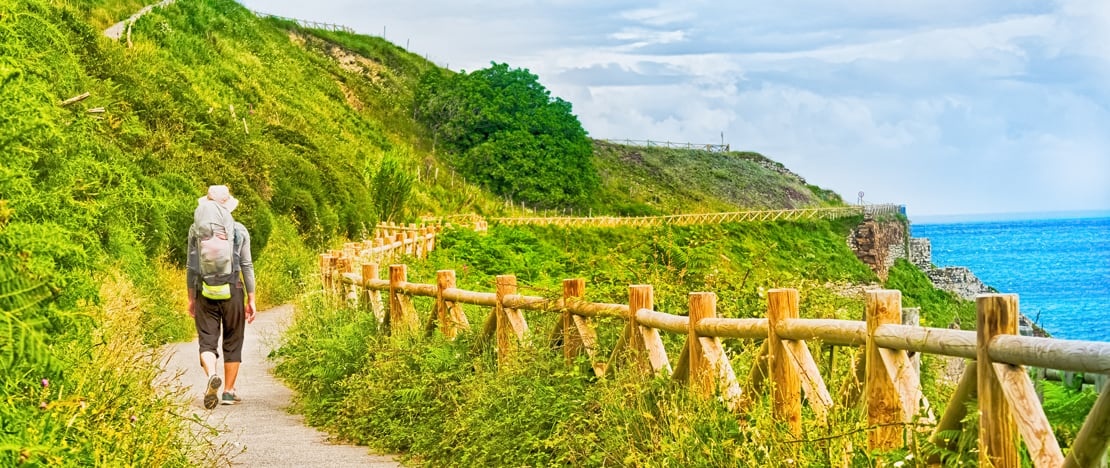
{"points": [[259, 430], [116, 31]]}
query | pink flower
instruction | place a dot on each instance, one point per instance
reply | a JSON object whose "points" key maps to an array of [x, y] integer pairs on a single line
{"points": [[45, 383]]}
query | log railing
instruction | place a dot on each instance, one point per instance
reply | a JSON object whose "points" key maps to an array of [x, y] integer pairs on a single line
{"points": [[703, 218], [389, 243], [893, 398]]}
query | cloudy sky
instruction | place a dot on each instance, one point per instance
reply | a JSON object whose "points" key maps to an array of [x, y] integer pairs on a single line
{"points": [[947, 106]]}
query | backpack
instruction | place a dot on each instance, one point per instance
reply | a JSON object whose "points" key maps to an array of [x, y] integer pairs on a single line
{"points": [[213, 231]]}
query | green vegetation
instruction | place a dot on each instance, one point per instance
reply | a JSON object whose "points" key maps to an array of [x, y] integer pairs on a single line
{"points": [[939, 308], [510, 135], [655, 180], [444, 404], [321, 135]]}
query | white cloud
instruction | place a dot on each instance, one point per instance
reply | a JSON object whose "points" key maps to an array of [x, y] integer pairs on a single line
{"points": [[911, 102]]}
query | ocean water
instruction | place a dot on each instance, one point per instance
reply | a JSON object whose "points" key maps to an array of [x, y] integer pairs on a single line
{"points": [[1059, 268]]}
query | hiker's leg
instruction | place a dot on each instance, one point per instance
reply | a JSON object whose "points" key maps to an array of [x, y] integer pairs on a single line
{"points": [[231, 371], [207, 321], [234, 324]]}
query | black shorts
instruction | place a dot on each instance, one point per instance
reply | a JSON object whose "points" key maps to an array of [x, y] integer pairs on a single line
{"points": [[230, 315]]}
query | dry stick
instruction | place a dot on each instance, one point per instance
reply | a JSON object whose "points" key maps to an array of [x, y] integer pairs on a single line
{"points": [[79, 97]]}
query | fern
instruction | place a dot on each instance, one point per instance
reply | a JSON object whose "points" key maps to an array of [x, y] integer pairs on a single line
{"points": [[20, 337]]}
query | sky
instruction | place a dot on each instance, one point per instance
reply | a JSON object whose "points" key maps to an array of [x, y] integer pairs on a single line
{"points": [[946, 106]]}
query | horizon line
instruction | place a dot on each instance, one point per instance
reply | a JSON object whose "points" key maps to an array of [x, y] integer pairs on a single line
{"points": [[1009, 216]]}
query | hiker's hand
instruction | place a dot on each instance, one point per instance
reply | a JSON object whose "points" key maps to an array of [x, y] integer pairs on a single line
{"points": [[192, 307], [250, 311]]}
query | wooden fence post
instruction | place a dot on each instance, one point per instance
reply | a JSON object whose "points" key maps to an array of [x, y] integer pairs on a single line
{"points": [[402, 317], [648, 345], [998, 444], [397, 245], [371, 299], [782, 304], [325, 275], [574, 288], [511, 327], [702, 305], [449, 313], [576, 333], [639, 297], [884, 407]]}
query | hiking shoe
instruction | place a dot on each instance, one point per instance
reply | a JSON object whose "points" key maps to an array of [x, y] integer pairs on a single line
{"points": [[210, 398], [230, 398]]}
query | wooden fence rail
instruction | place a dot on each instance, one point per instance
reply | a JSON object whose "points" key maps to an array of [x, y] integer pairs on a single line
{"points": [[707, 218], [892, 397], [711, 147]]}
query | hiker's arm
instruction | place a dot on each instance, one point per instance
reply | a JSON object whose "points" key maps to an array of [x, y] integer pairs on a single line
{"points": [[191, 275], [246, 266]]}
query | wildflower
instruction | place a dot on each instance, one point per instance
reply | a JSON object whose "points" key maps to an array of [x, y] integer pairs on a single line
{"points": [[42, 405], [134, 418], [899, 463], [45, 383], [82, 403]]}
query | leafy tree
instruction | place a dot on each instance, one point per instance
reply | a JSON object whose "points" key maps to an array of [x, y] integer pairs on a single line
{"points": [[510, 134]]}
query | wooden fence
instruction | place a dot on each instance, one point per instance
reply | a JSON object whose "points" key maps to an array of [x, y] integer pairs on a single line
{"points": [[713, 148], [307, 23], [707, 218], [390, 242], [1007, 402]]}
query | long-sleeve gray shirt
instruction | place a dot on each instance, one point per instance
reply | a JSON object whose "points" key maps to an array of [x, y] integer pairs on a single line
{"points": [[241, 259]]}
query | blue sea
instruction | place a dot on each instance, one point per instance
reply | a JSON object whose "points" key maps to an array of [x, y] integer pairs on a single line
{"points": [[1059, 268]]}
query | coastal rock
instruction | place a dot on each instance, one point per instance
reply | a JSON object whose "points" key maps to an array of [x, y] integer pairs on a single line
{"points": [[959, 281]]}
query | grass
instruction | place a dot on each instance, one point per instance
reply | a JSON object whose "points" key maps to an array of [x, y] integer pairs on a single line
{"points": [[440, 402], [653, 180], [94, 208]]}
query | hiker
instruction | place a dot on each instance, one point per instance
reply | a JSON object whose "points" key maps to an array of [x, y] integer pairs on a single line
{"points": [[219, 269]]}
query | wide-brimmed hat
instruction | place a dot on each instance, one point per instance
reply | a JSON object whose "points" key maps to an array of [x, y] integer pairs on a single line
{"points": [[220, 194]]}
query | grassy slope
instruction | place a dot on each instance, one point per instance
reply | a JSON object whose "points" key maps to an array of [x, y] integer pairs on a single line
{"points": [[651, 180], [93, 199]]}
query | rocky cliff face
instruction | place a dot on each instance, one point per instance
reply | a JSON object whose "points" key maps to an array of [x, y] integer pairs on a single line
{"points": [[879, 244], [873, 243]]}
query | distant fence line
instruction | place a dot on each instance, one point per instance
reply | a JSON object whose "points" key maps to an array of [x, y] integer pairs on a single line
{"points": [[709, 218], [307, 24], [672, 144]]}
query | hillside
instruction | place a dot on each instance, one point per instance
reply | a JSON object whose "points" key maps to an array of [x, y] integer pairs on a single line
{"points": [[297, 122], [107, 144], [655, 180]]}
